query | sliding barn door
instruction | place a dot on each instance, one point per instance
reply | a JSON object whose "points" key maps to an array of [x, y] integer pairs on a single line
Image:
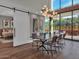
{"points": [[22, 28]]}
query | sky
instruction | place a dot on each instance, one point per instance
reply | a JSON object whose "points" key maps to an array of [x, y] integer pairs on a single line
{"points": [[64, 3]]}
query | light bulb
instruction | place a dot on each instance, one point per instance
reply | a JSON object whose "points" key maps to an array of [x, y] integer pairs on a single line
{"points": [[45, 6]]}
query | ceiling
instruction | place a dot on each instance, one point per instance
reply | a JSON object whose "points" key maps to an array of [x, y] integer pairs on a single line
{"points": [[31, 5]]}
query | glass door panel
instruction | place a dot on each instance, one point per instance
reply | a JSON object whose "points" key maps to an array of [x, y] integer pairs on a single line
{"points": [[56, 24], [66, 24], [76, 25]]}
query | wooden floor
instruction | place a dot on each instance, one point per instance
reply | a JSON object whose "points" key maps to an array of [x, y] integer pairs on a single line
{"points": [[70, 51]]}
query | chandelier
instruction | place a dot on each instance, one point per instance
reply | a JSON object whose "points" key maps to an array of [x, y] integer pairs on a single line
{"points": [[45, 11]]}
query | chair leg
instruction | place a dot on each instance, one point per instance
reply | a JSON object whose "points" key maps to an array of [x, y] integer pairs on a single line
{"points": [[37, 46], [46, 49], [51, 50], [32, 44]]}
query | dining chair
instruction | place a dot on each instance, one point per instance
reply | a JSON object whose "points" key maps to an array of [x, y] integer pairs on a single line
{"points": [[51, 44], [36, 40], [60, 41], [63, 37]]}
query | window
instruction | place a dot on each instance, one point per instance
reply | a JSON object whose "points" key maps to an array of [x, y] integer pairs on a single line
{"points": [[75, 2], [66, 24], [76, 25], [46, 24], [56, 23], [66, 3], [66, 21], [55, 4]]}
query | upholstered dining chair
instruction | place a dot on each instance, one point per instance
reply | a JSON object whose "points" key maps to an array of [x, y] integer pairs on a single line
{"points": [[63, 37], [52, 44], [36, 40], [60, 41]]}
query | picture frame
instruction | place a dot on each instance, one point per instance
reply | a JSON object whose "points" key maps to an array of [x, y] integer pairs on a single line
{"points": [[6, 24]]}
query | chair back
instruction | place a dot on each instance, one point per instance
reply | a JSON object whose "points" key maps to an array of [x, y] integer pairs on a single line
{"points": [[34, 35], [64, 35], [54, 39], [60, 37]]}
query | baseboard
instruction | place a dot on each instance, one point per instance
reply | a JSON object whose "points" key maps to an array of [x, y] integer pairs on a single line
{"points": [[30, 41]]}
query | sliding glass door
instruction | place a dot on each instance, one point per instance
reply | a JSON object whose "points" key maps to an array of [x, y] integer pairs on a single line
{"points": [[76, 25], [66, 24]]}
